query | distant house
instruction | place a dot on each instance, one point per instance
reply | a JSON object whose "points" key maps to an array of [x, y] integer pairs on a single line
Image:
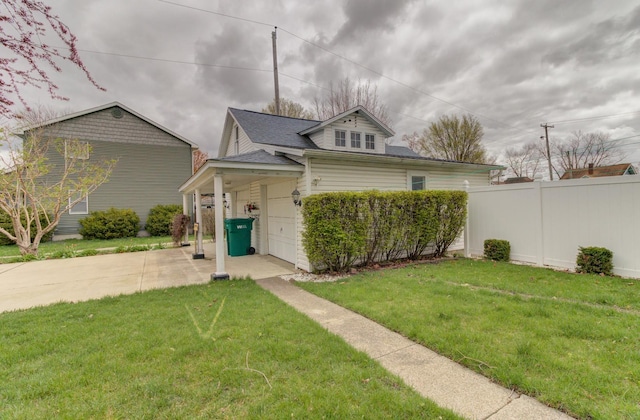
{"points": [[517, 180], [152, 161], [598, 171], [265, 160]]}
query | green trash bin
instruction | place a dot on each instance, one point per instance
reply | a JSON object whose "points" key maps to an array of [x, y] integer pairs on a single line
{"points": [[239, 237]]}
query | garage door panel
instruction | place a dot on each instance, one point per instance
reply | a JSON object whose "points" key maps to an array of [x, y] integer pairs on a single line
{"points": [[281, 221]]}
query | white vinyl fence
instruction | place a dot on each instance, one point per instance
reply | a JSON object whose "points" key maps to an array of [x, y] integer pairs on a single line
{"points": [[546, 222]]}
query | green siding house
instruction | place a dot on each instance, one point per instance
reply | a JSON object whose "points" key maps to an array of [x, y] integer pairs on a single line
{"points": [[152, 161]]}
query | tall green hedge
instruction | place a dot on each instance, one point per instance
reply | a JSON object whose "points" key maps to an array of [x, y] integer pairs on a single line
{"points": [[342, 228]]}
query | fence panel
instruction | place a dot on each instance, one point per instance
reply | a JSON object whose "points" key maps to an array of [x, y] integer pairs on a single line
{"points": [[546, 222]]}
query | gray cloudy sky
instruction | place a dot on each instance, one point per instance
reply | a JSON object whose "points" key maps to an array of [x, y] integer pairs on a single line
{"points": [[513, 64]]}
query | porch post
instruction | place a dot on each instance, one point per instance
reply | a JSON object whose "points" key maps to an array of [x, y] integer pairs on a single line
{"points": [[185, 211], [199, 254], [218, 188]]}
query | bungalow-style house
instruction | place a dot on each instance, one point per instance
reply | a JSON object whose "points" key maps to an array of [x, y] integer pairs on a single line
{"points": [[598, 171], [152, 161], [263, 159]]}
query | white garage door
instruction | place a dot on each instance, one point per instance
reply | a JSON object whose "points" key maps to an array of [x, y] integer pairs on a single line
{"points": [[281, 221]]}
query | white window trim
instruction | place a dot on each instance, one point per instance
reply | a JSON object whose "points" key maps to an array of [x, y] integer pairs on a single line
{"points": [[411, 174], [365, 141], [335, 138], [359, 140], [85, 199], [84, 156]]}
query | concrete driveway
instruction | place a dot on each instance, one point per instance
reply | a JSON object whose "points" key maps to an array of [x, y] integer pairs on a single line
{"points": [[25, 285]]}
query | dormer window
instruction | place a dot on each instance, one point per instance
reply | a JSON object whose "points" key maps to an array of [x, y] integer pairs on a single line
{"points": [[370, 142], [355, 140], [341, 138]]}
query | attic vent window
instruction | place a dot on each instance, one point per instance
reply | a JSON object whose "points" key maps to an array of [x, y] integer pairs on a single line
{"points": [[116, 113]]}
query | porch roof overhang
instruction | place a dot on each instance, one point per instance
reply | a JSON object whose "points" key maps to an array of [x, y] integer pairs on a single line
{"points": [[236, 173]]}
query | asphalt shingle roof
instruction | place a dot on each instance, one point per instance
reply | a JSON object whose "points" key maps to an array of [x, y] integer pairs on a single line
{"points": [[260, 156], [275, 130]]}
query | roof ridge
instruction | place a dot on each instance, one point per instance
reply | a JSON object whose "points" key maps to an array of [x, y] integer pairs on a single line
{"points": [[274, 115]]}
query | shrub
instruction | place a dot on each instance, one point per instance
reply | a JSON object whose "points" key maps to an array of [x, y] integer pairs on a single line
{"points": [[160, 219], [595, 260], [5, 223], [110, 224], [179, 227], [341, 228], [497, 249]]}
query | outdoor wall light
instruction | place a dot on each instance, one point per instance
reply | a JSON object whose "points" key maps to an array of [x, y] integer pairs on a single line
{"points": [[295, 196]]}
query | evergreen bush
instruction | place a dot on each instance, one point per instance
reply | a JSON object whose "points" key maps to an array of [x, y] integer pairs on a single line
{"points": [[110, 224], [497, 250], [595, 260], [160, 219]]}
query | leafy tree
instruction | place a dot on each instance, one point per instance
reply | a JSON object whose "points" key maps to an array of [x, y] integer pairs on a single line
{"points": [[451, 138], [35, 190], [348, 95], [199, 159], [289, 108], [25, 25], [525, 161]]}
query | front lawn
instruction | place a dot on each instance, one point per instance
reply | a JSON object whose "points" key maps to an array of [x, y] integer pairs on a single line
{"points": [[221, 350], [572, 341]]}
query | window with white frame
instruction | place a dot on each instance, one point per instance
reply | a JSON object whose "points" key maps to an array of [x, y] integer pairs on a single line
{"points": [[355, 140], [341, 138], [417, 181], [74, 149], [82, 206], [370, 142], [237, 142]]}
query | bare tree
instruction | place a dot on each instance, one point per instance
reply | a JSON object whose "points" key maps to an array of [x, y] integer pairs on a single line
{"points": [[35, 191], [524, 161], [289, 108], [24, 26], [582, 149], [451, 138], [199, 159], [348, 95]]}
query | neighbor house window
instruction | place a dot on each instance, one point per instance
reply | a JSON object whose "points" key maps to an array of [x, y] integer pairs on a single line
{"points": [[418, 182], [370, 141], [355, 140], [81, 207], [74, 149], [341, 138]]}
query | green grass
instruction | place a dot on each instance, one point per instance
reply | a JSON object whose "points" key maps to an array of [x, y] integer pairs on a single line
{"points": [[222, 350], [572, 341], [80, 247]]}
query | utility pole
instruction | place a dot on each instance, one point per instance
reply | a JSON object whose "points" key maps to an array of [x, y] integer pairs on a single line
{"points": [[546, 136], [275, 70]]}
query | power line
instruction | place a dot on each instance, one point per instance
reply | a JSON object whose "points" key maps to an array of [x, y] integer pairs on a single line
{"points": [[595, 118]]}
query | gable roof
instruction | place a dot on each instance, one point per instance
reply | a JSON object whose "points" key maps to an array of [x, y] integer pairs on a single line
{"points": [[108, 106], [356, 110], [274, 130], [610, 170]]}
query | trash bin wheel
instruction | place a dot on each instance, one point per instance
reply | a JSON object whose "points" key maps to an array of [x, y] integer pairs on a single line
{"points": [[251, 250]]}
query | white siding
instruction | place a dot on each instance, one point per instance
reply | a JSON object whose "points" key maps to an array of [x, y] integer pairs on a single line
{"points": [[245, 144], [353, 123], [254, 197], [351, 176]]}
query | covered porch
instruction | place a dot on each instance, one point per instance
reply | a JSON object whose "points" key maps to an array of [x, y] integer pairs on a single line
{"points": [[254, 185]]}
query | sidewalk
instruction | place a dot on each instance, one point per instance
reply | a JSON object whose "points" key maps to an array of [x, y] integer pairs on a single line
{"points": [[441, 380]]}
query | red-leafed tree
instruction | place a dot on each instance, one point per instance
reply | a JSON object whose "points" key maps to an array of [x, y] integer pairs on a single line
{"points": [[199, 159], [26, 59]]}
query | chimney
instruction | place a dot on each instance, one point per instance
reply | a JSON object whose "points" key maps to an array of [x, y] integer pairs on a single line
{"points": [[591, 169]]}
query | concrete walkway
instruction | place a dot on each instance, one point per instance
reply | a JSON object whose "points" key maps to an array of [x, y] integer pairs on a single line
{"points": [[446, 383]]}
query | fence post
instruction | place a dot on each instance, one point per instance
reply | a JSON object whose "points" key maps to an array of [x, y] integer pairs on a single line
{"points": [[537, 185], [467, 250]]}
